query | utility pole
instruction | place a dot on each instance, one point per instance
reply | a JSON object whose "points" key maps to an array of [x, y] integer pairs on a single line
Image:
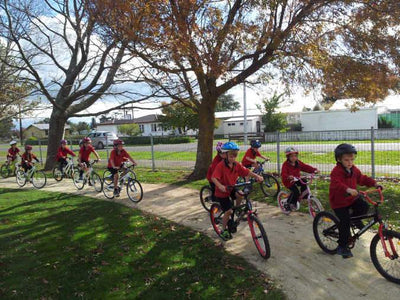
{"points": [[244, 110], [21, 138]]}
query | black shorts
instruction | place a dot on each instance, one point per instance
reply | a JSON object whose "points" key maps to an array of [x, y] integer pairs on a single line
{"points": [[113, 171], [226, 203], [248, 166]]}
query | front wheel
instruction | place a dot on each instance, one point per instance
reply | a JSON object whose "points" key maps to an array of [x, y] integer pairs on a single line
{"points": [[5, 171], [134, 190], [216, 215], [206, 197], [283, 204], [259, 236], [388, 267], [314, 206], [78, 182], [21, 179], [57, 174], [39, 179], [326, 231], [96, 182], [270, 186]]}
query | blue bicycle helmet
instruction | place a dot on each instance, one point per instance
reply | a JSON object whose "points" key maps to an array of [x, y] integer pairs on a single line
{"points": [[255, 143], [229, 146]]}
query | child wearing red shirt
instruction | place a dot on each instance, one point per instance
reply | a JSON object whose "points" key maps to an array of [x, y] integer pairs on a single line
{"points": [[250, 157], [291, 168], [12, 152], [27, 158], [117, 156], [84, 154], [226, 174], [343, 193], [62, 154], [221, 155]]}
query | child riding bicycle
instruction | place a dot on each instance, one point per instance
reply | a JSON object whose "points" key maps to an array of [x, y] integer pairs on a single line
{"points": [[221, 155], [226, 174], [62, 154], [12, 152], [27, 158], [117, 156], [291, 169], [343, 194], [250, 157], [84, 153]]}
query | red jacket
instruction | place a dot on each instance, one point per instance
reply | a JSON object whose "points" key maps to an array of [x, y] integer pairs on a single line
{"points": [[86, 152], [289, 170], [29, 157], [250, 153], [228, 176], [217, 159], [341, 180], [62, 153], [117, 157], [13, 152]]}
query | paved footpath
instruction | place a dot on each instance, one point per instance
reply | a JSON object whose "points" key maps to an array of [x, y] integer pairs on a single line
{"points": [[297, 264]]}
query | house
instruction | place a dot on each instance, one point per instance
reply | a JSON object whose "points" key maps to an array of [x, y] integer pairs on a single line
{"points": [[41, 131]]}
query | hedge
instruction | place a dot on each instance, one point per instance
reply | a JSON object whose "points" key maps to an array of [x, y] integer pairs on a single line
{"points": [[145, 140]]}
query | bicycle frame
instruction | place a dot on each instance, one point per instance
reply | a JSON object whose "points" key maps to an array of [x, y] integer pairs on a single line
{"points": [[247, 206], [69, 167], [307, 191]]}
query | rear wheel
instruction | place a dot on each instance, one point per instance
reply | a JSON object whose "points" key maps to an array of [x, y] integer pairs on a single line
{"points": [[314, 206], [21, 179], [282, 199], [388, 267], [134, 190], [57, 174], [270, 186], [5, 171], [206, 197], [96, 182], [259, 236], [326, 232], [79, 183], [39, 179], [216, 215]]}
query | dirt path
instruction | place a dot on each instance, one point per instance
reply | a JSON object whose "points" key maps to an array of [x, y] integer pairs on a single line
{"points": [[297, 264]]}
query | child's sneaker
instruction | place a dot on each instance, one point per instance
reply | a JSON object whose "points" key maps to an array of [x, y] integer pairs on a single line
{"points": [[344, 252], [116, 192], [226, 235]]}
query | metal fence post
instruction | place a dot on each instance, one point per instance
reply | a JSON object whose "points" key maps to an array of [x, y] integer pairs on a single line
{"points": [[107, 147], [372, 152], [153, 166], [278, 150], [40, 150], [72, 145]]}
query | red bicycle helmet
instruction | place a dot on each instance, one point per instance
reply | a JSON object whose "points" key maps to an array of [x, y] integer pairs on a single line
{"points": [[291, 150], [118, 142], [28, 147], [65, 142], [86, 140]]}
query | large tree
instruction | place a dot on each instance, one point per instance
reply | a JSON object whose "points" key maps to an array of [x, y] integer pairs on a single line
{"points": [[197, 50], [56, 47]]}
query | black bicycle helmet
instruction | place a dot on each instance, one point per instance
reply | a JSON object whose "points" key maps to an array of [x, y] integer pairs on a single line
{"points": [[344, 149], [255, 143]]}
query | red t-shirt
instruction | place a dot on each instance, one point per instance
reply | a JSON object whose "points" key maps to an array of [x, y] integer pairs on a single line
{"points": [[228, 176], [341, 180], [61, 153], [252, 154], [86, 152], [289, 170], [29, 157], [118, 159], [217, 159], [13, 152]]}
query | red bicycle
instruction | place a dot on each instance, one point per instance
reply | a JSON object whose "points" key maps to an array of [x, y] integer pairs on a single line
{"points": [[385, 245], [242, 212]]}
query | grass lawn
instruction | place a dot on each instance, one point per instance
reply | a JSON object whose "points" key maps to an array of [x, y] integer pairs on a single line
{"points": [[58, 246]]}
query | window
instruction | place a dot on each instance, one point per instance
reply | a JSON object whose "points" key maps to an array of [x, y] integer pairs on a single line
{"points": [[46, 132], [241, 124], [153, 127], [141, 127]]}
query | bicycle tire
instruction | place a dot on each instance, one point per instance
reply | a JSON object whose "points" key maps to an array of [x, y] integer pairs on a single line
{"points": [[270, 186], [206, 197], [57, 174], [134, 190], [383, 264], [96, 181], [79, 184], [20, 177], [260, 238], [5, 171], [326, 232], [282, 198], [314, 206], [216, 214], [39, 179]]}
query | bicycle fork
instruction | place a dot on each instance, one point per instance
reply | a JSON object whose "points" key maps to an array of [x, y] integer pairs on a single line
{"points": [[385, 249]]}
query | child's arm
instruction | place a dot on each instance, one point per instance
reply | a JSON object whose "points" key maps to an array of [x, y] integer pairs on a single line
{"points": [[97, 155], [221, 187], [257, 177], [131, 159], [307, 168]]}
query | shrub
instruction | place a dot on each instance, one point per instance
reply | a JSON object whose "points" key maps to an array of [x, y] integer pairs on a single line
{"points": [[145, 140]]}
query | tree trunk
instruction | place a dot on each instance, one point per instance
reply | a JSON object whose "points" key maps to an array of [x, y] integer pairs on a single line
{"points": [[57, 123], [205, 141]]}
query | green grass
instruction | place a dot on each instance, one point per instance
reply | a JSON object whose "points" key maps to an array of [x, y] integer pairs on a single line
{"points": [[58, 246]]}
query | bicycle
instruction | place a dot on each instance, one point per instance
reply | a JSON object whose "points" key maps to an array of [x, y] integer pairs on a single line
{"points": [[90, 177], [385, 259], [206, 197], [127, 177], [242, 212], [34, 176], [6, 169], [270, 185], [68, 171], [314, 205]]}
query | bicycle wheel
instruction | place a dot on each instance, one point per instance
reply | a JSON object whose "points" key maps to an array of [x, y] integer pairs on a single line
{"points": [[326, 232], [282, 198], [134, 190], [57, 174], [96, 182], [314, 206], [206, 197], [388, 267], [79, 183], [21, 179], [270, 186], [132, 174], [5, 171], [259, 236], [216, 215], [39, 179]]}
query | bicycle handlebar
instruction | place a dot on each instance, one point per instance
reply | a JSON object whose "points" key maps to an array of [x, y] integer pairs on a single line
{"points": [[365, 195], [311, 177]]}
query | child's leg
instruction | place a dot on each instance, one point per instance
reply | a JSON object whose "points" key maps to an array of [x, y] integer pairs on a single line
{"points": [[343, 215], [238, 198], [212, 185], [294, 195], [360, 207], [225, 218]]}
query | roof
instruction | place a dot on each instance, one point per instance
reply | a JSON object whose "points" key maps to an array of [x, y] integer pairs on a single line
{"points": [[141, 120], [44, 126], [240, 119]]}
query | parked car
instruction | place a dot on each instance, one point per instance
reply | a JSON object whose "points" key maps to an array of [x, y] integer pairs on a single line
{"points": [[100, 139]]}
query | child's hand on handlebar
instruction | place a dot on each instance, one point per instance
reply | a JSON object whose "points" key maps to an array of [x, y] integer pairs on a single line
{"points": [[352, 192], [222, 188], [259, 178]]}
